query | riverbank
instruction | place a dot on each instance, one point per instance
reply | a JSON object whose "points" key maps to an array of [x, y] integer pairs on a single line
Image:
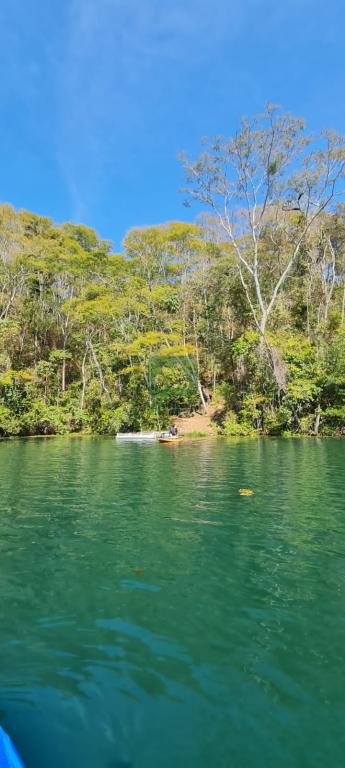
{"points": [[201, 424], [187, 436]]}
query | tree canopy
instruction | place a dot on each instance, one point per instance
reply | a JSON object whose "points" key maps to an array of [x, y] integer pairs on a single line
{"points": [[247, 305]]}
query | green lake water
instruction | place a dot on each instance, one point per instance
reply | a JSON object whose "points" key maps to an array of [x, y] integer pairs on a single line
{"points": [[135, 635]]}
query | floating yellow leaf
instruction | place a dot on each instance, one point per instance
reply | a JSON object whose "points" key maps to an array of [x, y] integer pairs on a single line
{"points": [[246, 492]]}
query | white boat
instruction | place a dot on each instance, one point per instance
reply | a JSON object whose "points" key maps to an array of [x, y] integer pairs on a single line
{"points": [[137, 436]]}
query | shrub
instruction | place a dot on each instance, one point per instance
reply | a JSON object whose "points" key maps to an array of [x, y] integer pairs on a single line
{"points": [[232, 426], [9, 424]]}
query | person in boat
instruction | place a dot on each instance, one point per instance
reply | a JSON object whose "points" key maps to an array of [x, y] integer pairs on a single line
{"points": [[173, 431]]}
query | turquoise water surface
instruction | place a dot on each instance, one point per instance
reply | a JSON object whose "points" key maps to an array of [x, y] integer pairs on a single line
{"points": [[152, 616]]}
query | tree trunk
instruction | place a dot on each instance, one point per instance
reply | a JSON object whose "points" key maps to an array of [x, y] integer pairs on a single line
{"points": [[63, 371], [202, 396], [329, 289], [262, 325], [317, 421], [83, 373], [99, 370]]}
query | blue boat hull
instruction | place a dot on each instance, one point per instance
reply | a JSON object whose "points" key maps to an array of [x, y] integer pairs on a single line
{"points": [[9, 757]]}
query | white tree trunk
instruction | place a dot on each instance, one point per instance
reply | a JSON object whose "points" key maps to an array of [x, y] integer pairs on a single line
{"points": [[202, 396], [99, 370]]}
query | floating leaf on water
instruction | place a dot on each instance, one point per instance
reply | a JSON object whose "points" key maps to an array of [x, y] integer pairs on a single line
{"points": [[245, 492]]}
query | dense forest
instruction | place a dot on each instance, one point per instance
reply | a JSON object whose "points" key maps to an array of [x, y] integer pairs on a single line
{"points": [[247, 305]]}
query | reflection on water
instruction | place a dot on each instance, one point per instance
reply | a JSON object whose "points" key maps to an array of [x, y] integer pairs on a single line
{"points": [[152, 616]]}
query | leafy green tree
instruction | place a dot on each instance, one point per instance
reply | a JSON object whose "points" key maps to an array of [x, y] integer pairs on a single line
{"points": [[247, 305]]}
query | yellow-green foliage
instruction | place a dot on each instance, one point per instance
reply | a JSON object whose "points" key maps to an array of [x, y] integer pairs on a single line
{"points": [[96, 341]]}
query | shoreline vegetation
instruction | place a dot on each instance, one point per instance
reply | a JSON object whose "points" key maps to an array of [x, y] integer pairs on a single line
{"points": [[238, 318], [187, 437]]}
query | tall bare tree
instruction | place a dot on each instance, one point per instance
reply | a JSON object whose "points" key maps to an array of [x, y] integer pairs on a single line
{"points": [[266, 186]]}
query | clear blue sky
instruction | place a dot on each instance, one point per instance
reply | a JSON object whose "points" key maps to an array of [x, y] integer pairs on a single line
{"points": [[99, 96]]}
